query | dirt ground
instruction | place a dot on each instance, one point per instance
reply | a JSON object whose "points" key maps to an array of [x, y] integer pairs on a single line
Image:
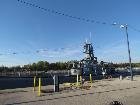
{"points": [[101, 93]]}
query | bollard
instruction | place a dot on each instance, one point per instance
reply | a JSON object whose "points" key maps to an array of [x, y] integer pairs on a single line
{"points": [[121, 78], [90, 79], [77, 80], [34, 83], [81, 79], [39, 87]]}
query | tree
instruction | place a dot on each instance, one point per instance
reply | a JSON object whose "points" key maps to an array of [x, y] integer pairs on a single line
{"points": [[46, 66], [34, 67], [40, 66]]}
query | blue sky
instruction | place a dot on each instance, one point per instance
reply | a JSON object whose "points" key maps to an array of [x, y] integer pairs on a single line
{"points": [[29, 34]]}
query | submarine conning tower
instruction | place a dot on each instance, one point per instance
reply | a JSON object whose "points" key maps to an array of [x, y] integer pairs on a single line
{"points": [[89, 63], [88, 50]]}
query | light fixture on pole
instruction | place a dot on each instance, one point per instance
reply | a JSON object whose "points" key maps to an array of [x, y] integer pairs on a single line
{"points": [[130, 65]]}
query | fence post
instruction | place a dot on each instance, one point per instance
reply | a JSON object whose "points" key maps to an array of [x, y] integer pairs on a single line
{"points": [[56, 83]]}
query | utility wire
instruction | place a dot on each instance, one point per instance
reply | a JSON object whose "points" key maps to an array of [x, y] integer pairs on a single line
{"points": [[63, 14], [133, 28], [71, 16]]}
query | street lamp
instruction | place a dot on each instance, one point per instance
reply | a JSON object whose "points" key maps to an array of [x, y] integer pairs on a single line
{"points": [[130, 66]]}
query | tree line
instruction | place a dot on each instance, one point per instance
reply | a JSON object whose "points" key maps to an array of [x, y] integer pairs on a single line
{"points": [[45, 66], [40, 66], [123, 65]]}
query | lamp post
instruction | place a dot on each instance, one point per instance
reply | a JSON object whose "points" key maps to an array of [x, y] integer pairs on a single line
{"points": [[130, 65]]}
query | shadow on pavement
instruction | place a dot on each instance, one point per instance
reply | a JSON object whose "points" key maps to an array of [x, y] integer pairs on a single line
{"points": [[26, 102]]}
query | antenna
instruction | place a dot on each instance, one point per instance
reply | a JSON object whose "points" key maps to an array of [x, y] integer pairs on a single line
{"points": [[90, 37], [86, 40]]}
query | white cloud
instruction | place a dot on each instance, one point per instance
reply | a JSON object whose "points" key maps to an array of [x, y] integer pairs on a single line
{"points": [[61, 53], [116, 52]]}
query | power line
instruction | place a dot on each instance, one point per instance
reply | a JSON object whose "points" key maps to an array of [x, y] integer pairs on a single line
{"points": [[133, 28], [63, 14], [71, 16]]}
